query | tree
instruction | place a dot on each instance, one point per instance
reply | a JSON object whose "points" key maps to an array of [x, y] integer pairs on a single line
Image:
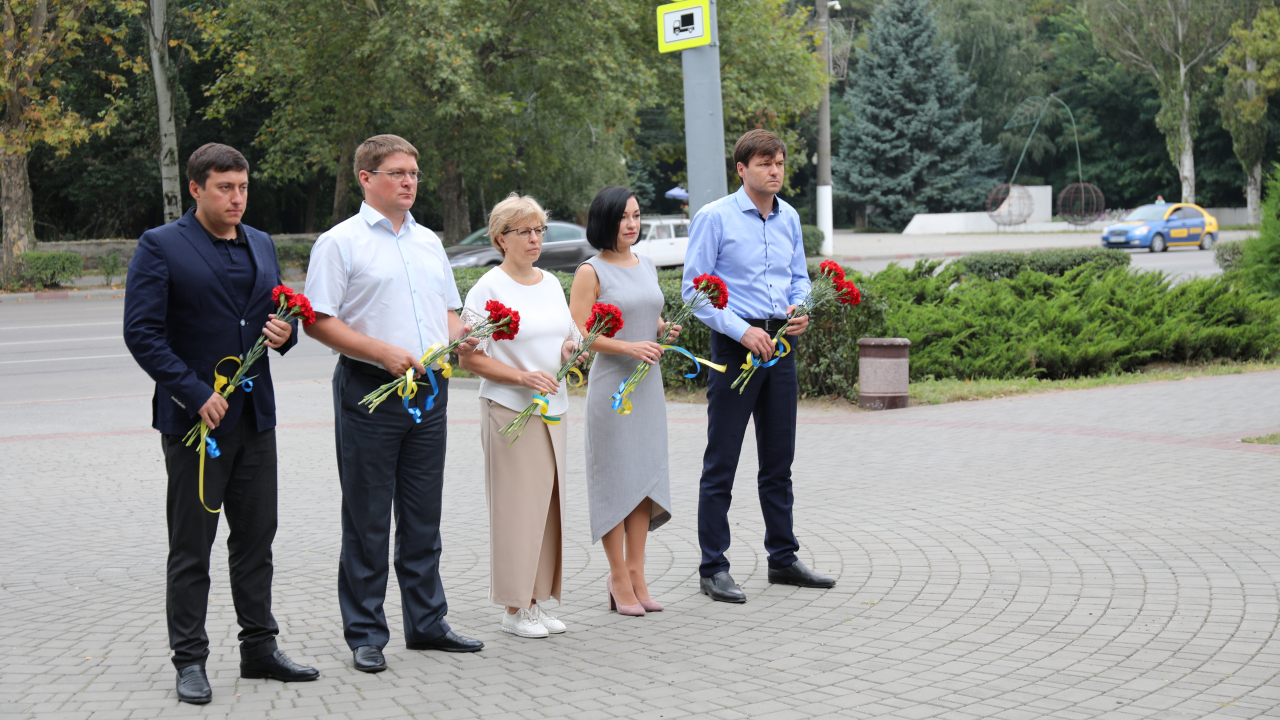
{"points": [[155, 21], [507, 93], [909, 148], [1253, 75], [1172, 43], [35, 35]]}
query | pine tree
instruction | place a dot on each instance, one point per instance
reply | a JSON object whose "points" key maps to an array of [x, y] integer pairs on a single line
{"points": [[907, 148]]}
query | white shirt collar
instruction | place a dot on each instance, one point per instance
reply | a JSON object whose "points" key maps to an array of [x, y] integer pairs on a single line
{"points": [[373, 217]]}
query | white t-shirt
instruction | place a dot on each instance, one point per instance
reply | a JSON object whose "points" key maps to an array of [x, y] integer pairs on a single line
{"points": [[545, 323]]}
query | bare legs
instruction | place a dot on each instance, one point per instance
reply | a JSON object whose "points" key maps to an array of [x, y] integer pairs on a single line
{"points": [[624, 547]]}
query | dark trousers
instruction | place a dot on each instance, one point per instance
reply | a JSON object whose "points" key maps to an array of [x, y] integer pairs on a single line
{"points": [[769, 398], [388, 463], [242, 480]]}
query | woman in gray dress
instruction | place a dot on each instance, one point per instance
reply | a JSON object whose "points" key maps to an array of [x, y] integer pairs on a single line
{"points": [[628, 484]]}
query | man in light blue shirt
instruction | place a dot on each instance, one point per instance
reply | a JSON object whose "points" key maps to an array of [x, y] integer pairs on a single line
{"points": [[751, 240]]}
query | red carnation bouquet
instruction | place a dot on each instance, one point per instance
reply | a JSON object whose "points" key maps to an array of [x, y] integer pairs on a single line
{"points": [[290, 306], [604, 320], [502, 324], [829, 285], [707, 290]]}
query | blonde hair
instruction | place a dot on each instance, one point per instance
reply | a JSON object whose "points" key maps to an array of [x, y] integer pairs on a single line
{"points": [[506, 214], [373, 151]]}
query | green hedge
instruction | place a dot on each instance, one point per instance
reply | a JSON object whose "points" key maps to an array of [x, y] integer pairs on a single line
{"points": [[812, 239], [1091, 319], [294, 254], [51, 268], [996, 265]]}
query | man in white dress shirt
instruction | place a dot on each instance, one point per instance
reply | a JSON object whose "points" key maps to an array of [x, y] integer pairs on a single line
{"points": [[384, 293]]}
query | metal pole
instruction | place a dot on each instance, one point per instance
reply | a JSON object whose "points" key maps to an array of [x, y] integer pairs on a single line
{"points": [[704, 122], [825, 223]]}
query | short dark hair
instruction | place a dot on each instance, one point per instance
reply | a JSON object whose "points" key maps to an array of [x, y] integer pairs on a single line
{"points": [[212, 158], [755, 143], [605, 216]]}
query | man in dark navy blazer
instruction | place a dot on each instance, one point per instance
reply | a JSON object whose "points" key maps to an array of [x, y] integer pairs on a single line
{"points": [[198, 292]]}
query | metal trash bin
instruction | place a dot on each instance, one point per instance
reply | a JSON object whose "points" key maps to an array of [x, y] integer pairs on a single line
{"points": [[884, 376]]}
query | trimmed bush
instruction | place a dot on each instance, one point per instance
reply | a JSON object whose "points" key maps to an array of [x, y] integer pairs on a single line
{"points": [[51, 268], [812, 239], [1260, 261], [294, 254], [1087, 322], [1228, 255], [110, 267], [996, 265]]}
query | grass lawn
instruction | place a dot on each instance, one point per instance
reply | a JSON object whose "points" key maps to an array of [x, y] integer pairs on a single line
{"points": [[1273, 439], [936, 392]]}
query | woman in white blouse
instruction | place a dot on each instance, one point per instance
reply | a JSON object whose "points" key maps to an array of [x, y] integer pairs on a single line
{"points": [[522, 481]]}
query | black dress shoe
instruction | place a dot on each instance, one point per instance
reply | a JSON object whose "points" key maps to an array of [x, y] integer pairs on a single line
{"points": [[277, 667], [797, 574], [722, 588], [193, 685], [448, 642], [368, 658]]}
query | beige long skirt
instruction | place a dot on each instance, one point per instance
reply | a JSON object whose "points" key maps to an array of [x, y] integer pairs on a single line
{"points": [[526, 502]]}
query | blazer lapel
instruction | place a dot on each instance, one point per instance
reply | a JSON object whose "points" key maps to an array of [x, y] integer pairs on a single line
{"points": [[195, 234]]}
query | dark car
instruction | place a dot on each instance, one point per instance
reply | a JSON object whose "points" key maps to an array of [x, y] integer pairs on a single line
{"points": [[564, 248]]}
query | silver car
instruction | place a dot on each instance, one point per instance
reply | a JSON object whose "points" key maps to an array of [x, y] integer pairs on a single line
{"points": [[564, 248]]}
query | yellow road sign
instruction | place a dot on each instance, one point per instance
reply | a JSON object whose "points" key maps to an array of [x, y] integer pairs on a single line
{"points": [[683, 25]]}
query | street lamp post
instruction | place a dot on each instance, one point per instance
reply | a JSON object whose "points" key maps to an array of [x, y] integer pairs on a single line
{"points": [[825, 223]]}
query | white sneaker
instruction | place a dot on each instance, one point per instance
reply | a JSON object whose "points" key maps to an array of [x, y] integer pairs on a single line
{"points": [[551, 624], [523, 623]]}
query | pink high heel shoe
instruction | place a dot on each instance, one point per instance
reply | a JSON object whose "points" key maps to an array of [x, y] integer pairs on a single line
{"points": [[651, 605], [636, 610]]}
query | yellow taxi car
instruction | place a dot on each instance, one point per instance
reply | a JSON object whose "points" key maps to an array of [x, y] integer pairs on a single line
{"points": [[1162, 226]]}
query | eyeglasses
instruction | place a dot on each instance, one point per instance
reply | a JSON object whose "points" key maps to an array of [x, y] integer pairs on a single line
{"points": [[398, 175], [524, 232]]}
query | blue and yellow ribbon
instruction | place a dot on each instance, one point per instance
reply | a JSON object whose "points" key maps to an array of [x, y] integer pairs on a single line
{"points": [[209, 446], [780, 343], [621, 400], [409, 388]]}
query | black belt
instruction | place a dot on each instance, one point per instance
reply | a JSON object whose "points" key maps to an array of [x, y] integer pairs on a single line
{"points": [[365, 368], [771, 326]]}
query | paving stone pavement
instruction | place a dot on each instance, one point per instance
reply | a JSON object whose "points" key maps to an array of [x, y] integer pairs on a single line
{"points": [[1109, 553]]}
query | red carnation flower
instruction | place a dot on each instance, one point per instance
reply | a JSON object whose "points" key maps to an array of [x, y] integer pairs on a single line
{"points": [[609, 317], [848, 292], [499, 312], [831, 268], [717, 292], [279, 290]]}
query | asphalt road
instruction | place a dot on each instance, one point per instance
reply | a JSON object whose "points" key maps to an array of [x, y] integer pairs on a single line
{"points": [[57, 351]]}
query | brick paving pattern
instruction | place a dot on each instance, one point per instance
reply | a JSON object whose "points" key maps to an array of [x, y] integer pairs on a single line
{"points": [[1101, 554]]}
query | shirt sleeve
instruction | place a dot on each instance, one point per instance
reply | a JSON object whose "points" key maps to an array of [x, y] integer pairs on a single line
{"points": [[799, 264], [327, 276], [705, 234]]}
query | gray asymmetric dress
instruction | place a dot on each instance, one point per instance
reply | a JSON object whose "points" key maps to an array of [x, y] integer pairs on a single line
{"points": [[627, 454]]}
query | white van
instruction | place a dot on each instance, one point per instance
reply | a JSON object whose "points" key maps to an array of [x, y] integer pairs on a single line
{"points": [[663, 240]]}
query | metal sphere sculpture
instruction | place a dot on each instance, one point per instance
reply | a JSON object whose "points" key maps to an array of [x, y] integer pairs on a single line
{"points": [[1010, 204], [1081, 203]]}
